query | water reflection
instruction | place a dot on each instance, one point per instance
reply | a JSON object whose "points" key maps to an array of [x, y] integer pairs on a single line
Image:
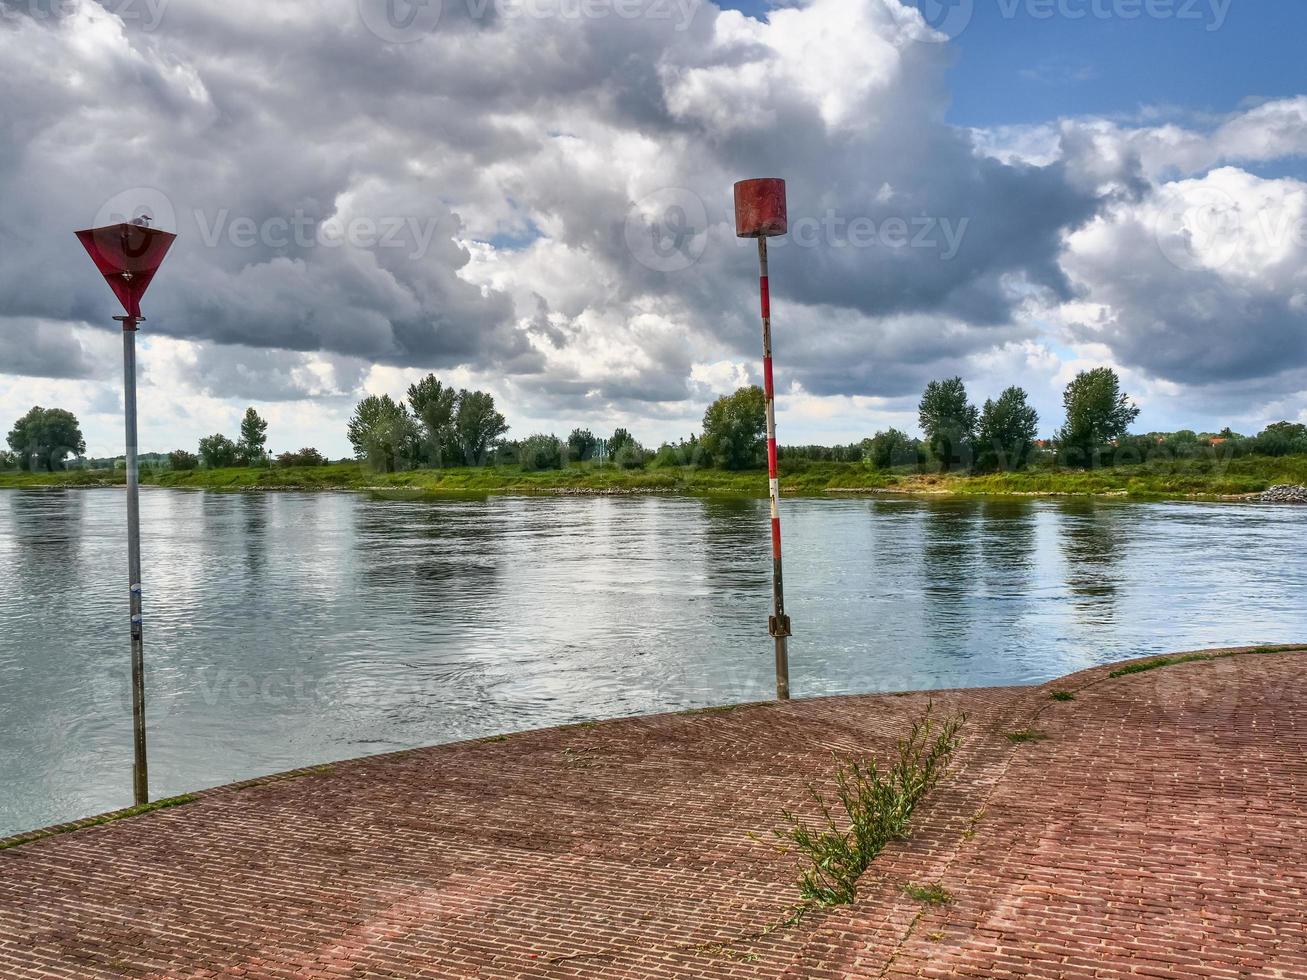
{"points": [[287, 629], [949, 555], [1092, 549]]}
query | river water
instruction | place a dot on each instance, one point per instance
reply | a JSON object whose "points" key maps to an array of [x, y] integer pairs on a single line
{"points": [[289, 629]]}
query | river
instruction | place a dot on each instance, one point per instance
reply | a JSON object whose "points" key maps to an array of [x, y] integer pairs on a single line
{"points": [[293, 628]]}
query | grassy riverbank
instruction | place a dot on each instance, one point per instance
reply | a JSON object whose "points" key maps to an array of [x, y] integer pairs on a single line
{"points": [[1168, 478]]}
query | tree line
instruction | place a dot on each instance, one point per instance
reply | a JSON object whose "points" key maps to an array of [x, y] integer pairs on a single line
{"points": [[438, 425]]}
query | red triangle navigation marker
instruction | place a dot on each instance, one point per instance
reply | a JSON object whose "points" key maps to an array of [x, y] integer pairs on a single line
{"points": [[128, 256]]}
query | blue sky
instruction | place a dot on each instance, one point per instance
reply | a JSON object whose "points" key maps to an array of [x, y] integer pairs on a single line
{"points": [[1017, 65]]}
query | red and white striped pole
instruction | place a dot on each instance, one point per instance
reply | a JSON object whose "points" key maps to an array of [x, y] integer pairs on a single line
{"points": [[760, 213]]}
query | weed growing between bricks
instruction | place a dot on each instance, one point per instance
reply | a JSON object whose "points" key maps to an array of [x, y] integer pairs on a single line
{"points": [[1189, 658], [934, 894], [877, 805]]}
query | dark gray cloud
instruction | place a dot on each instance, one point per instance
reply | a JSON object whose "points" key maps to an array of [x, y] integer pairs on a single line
{"points": [[54, 350]]}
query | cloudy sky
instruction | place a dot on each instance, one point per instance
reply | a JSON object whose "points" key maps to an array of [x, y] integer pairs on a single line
{"points": [[534, 197]]}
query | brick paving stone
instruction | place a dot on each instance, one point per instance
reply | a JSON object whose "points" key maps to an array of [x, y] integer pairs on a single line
{"points": [[1157, 831]]}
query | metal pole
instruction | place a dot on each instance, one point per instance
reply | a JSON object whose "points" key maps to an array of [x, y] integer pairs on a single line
{"points": [[140, 775], [779, 623]]}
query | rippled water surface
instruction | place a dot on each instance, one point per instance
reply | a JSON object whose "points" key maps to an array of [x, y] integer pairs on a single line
{"points": [[289, 629]]}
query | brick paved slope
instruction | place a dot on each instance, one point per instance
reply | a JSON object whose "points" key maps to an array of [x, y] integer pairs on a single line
{"points": [[1158, 830]]}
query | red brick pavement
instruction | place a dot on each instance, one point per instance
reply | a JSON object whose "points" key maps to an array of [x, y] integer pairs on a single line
{"points": [[1157, 831]]}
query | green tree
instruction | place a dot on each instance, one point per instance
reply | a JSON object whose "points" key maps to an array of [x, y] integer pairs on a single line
{"points": [[1281, 439], [254, 437], [949, 422], [630, 455], [734, 430], [45, 437], [217, 452], [619, 438], [1097, 412], [434, 406], [1007, 432], [541, 452], [888, 449], [383, 433], [581, 444], [477, 425], [302, 457], [8, 461], [180, 459]]}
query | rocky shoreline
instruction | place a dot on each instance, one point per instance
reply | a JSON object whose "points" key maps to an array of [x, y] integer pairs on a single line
{"points": [[1284, 494]]}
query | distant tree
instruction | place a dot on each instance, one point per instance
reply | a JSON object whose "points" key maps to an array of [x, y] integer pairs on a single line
{"points": [[180, 459], [1097, 412], [504, 452], [217, 452], [541, 452], [619, 438], [477, 425], [254, 437], [888, 449], [734, 430], [683, 453], [383, 433], [1007, 432], [8, 461], [630, 455], [949, 422], [1278, 439], [581, 444], [434, 406], [302, 457], [45, 437]]}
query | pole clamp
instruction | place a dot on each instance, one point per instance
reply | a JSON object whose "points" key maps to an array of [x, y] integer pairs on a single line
{"points": [[779, 625]]}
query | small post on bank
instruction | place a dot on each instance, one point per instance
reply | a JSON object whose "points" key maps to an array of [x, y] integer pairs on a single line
{"points": [[760, 213], [128, 255]]}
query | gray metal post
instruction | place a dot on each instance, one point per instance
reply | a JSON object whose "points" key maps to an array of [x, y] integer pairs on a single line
{"points": [[140, 775]]}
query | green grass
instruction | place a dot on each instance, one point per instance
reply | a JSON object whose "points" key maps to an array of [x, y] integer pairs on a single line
{"points": [[1022, 735], [135, 811], [876, 806], [1171, 478], [1062, 696]]}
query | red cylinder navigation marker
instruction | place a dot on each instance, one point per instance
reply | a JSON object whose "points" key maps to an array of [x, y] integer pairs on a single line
{"points": [[760, 213], [760, 208], [128, 256]]}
